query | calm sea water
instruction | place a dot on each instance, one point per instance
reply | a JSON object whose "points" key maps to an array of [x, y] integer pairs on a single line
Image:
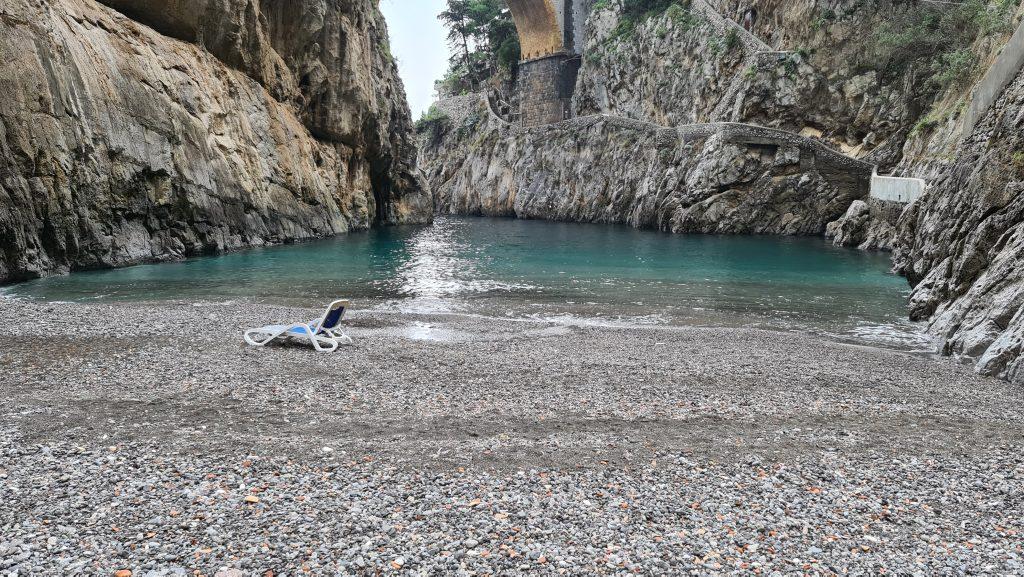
{"points": [[573, 273]]}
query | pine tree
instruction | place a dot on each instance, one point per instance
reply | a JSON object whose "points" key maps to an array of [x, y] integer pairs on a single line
{"points": [[484, 42]]}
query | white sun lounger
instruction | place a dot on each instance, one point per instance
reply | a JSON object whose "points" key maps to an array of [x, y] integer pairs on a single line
{"points": [[323, 333]]}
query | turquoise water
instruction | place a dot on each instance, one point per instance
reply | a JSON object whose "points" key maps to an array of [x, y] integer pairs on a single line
{"points": [[555, 271]]}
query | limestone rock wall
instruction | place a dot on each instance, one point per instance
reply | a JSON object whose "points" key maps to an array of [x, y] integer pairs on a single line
{"points": [[867, 225], [809, 71], [144, 130], [720, 178], [962, 244], [671, 70]]}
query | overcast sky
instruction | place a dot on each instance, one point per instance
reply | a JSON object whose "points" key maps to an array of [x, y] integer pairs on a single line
{"points": [[418, 42]]}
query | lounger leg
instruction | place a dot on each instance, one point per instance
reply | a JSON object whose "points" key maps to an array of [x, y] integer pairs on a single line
{"points": [[340, 337], [317, 339], [252, 337], [333, 345]]}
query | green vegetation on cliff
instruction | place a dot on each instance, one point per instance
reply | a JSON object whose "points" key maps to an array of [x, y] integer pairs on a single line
{"points": [[635, 12], [433, 121], [484, 44], [938, 38]]}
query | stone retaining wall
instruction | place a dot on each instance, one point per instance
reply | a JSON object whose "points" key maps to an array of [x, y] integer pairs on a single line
{"points": [[1002, 72], [886, 210], [545, 88], [735, 132]]}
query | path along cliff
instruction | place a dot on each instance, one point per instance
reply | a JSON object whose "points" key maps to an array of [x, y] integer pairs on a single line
{"points": [[721, 178]]}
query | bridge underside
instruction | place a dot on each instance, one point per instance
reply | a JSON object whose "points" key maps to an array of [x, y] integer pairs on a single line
{"points": [[540, 30]]}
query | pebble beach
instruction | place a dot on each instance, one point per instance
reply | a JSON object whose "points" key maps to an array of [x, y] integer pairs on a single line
{"points": [[147, 438]]}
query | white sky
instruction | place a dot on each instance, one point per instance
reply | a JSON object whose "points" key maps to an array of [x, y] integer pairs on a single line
{"points": [[418, 42]]}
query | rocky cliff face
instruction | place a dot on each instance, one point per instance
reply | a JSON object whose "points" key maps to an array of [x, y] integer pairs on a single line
{"points": [[839, 70], [962, 245], [810, 68], [679, 68], [868, 225], [140, 130], [719, 178]]}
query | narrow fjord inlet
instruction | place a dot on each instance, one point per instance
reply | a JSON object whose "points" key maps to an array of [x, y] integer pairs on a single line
{"points": [[483, 288], [559, 272]]}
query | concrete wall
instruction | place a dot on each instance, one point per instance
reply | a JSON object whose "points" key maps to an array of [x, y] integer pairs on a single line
{"points": [[892, 189], [1002, 72]]}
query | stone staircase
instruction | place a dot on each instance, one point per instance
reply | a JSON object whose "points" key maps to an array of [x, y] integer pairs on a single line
{"points": [[755, 48], [752, 43]]}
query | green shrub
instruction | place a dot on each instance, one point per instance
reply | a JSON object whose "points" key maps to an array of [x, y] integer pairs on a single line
{"points": [[732, 40], [635, 12], [823, 19], [953, 68], [681, 16], [434, 121], [640, 10], [931, 120], [923, 125], [791, 65], [1018, 160], [937, 38]]}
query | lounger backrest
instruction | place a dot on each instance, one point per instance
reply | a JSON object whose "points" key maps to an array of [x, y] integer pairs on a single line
{"points": [[332, 318]]}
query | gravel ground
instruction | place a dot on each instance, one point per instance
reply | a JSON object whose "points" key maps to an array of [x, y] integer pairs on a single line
{"points": [[148, 438]]}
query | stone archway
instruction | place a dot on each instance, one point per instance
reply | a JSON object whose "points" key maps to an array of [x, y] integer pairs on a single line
{"points": [[541, 26]]}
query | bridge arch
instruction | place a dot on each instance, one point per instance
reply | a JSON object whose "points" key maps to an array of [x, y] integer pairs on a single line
{"points": [[540, 26]]}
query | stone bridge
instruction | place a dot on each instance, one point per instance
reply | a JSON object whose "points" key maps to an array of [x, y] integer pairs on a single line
{"points": [[551, 37]]}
